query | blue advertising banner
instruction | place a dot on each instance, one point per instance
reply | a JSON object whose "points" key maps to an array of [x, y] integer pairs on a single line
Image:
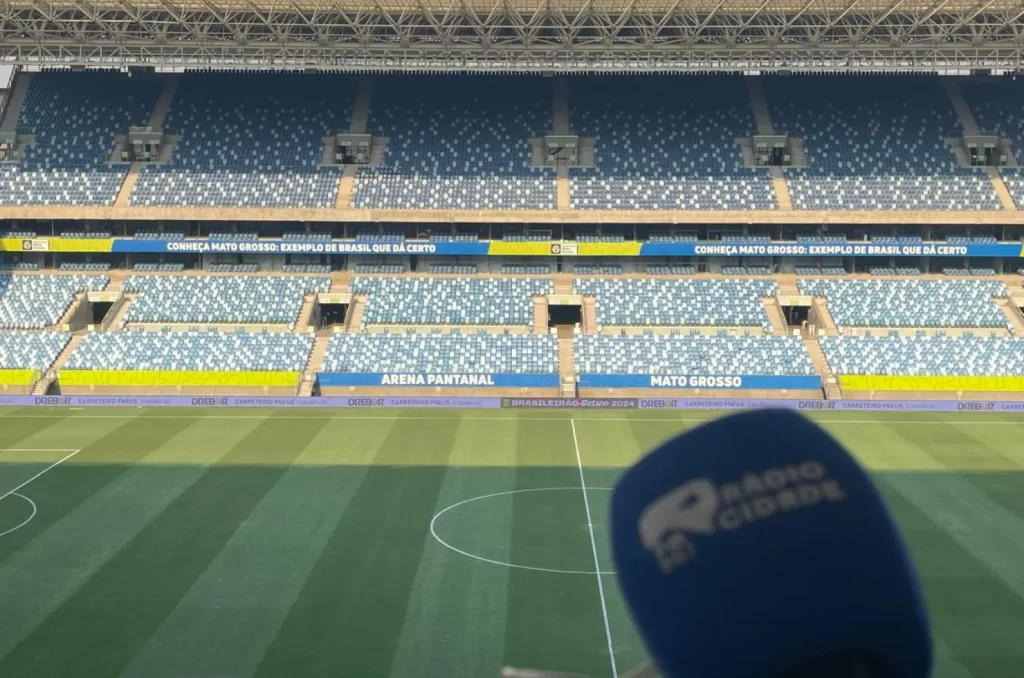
{"points": [[754, 381], [467, 380], [646, 249]]}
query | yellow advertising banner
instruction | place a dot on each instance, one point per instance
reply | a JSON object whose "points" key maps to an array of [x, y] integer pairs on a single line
{"points": [[884, 382], [17, 377], [175, 378], [56, 244]]}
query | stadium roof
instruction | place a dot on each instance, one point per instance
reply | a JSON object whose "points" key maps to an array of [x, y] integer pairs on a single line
{"points": [[519, 35]]}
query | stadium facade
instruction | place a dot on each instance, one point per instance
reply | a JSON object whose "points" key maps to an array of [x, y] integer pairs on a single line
{"points": [[798, 201]]}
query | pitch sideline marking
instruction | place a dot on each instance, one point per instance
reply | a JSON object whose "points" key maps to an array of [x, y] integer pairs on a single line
{"points": [[922, 422], [51, 466], [27, 520], [445, 544], [593, 547]]}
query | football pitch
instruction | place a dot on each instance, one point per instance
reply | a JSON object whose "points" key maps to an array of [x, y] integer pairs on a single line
{"points": [[404, 544]]}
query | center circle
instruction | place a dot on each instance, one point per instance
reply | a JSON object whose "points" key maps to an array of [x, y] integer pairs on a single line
{"points": [[494, 561], [6, 501]]}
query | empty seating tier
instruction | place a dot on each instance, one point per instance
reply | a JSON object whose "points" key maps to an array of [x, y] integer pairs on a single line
{"points": [[656, 301], [74, 118], [925, 356], [206, 351], [458, 143], [665, 143], [451, 353], [219, 299], [38, 301], [910, 303], [695, 354], [875, 143], [250, 140], [997, 108], [450, 301], [31, 350]]}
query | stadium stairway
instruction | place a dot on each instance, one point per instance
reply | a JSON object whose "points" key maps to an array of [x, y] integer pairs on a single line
{"points": [[356, 306], [775, 316], [826, 324], [1012, 312], [540, 314], [560, 125], [305, 313], [566, 364], [12, 111], [72, 309], [43, 384], [562, 283], [156, 120], [117, 278], [588, 311], [828, 377], [314, 364], [115, 317], [357, 125], [970, 125], [763, 118]]}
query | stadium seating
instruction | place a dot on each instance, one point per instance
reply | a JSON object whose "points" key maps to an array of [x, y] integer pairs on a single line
{"points": [[159, 235], [532, 236], [16, 265], [597, 269], [660, 236], [159, 268], [449, 353], [820, 270], [454, 237], [828, 238], [458, 143], [85, 234], [391, 269], [17, 234], [74, 118], [600, 237], [528, 269], [656, 301], [695, 354], [996, 106], [450, 301], [665, 143], [905, 239], [376, 235], [306, 236], [239, 236], [910, 303], [306, 268], [207, 350], [31, 350], [97, 266], [740, 239], [925, 356], [875, 143], [38, 301], [674, 269], [233, 268], [250, 140], [216, 299], [453, 269], [746, 270]]}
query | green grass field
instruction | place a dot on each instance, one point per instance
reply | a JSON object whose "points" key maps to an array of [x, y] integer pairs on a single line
{"points": [[233, 543]]}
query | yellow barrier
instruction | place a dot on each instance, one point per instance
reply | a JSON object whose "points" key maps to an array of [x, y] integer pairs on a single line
{"points": [[881, 382], [17, 377], [175, 378], [56, 244], [537, 249], [609, 249]]}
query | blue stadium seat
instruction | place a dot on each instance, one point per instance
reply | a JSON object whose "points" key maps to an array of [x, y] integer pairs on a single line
{"points": [[38, 301], [665, 143], [31, 350], [458, 142], [449, 353], [925, 356]]}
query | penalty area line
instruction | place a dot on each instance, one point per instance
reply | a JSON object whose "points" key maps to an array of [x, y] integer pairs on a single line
{"points": [[48, 468], [593, 548]]}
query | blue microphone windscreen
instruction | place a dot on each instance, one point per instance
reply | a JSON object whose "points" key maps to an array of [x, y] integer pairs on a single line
{"points": [[755, 543]]}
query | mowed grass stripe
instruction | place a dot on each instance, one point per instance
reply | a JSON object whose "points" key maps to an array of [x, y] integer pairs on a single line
{"points": [[105, 623], [455, 623], [87, 513], [226, 621], [554, 621], [977, 618], [350, 614]]}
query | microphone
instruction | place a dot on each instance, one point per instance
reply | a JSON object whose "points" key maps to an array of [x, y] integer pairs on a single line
{"points": [[755, 546]]}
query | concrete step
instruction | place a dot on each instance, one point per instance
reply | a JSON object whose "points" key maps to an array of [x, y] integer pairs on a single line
{"points": [[15, 102], [828, 378], [305, 313], [1013, 314], [775, 316], [355, 313], [540, 315]]}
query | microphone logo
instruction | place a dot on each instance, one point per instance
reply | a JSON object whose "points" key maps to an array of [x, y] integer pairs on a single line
{"points": [[663, 525], [702, 507]]}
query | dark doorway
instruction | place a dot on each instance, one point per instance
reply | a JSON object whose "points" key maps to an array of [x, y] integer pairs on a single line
{"points": [[332, 314], [99, 310], [559, 314], [796, 316]]}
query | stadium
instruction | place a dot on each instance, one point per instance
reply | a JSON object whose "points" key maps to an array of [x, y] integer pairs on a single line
{"points": [[327, 328]]}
